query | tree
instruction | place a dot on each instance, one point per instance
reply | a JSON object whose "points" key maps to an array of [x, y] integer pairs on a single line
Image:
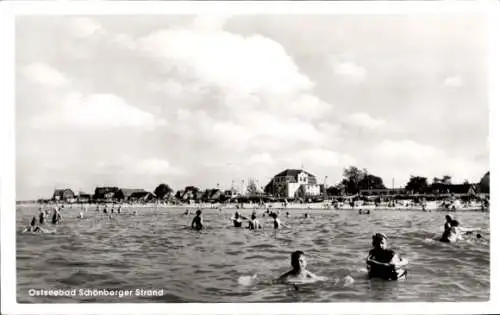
{"points": [[163, 190], [417, 184], [446, 180], [356, 179], [352, 177], [484, 184], [333, 191], [370, 181], [252, 188]]}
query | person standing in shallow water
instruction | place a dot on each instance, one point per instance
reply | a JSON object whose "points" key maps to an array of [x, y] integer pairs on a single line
{"points": [[383, 262], [254, 224], [197, 222]]}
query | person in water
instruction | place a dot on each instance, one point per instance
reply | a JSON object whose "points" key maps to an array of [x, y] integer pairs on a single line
{"points": [[298, 272], [276, 222], [197, 222], [32, 227], [237, 219], [41, 216], [254, 224], [383, 262], [450, 234], [453, 231], [56, 216]]}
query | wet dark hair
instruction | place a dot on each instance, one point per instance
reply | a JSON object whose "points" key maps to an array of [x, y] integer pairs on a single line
{"points": [[295, 259], [198, 212], [377, 238], [448, 217]]}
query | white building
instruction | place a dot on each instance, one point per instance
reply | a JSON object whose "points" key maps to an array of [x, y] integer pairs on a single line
{"points": [[292, 183]]}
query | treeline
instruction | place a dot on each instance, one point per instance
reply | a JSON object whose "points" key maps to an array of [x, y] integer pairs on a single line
{"points": [[357, 180]]}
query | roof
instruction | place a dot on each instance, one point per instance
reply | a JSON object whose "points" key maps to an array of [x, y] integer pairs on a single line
{"points": [[292, 172], [127, 192], [63, 191]]}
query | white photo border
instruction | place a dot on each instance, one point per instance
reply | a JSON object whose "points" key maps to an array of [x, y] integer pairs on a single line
{"points": [[8, 12]]}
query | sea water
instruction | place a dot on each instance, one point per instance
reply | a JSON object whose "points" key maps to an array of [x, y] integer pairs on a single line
{"points": [[156, 251]]}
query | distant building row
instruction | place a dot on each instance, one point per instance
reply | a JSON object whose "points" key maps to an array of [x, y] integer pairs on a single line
{"points": [[291, 184]]}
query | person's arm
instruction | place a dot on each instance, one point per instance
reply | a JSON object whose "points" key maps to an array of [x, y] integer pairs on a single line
{"points": [[192, 222]]}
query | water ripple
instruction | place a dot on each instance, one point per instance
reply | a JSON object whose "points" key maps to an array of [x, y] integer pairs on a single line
{"points": [[157, 249]]}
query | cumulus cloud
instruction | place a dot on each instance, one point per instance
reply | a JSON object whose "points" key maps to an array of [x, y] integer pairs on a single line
{"points": [[453, 81], [82, 27], [233, 62], [350, 70], [45, 75], [408, 157], [364, 120], [97, 110], [259, 159], [405, 149], [155, 166]]}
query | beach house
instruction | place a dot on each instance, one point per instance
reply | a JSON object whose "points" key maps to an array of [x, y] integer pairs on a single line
{"points": [[294, 183], [66, 195]]}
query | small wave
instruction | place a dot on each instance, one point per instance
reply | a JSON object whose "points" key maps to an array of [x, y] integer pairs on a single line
{"points": [[247, 280]]}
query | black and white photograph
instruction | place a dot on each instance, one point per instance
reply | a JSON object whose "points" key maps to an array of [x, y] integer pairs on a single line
{"points": [[221, 157]]}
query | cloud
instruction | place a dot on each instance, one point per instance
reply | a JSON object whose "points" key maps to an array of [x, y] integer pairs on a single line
{"points": [[364, 120], [350, 70], [405, 149], [45, 75], [261, 158], [408, 157], [209, 22], [155, 166], [453, 81], [233, 62], [98, 110], [82, 27]]}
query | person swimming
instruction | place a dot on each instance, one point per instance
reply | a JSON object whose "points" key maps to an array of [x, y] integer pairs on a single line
{"points": [[384, 263], [453, 231], [197, 222], [32, 226], [254, 224], [80, 215], [186, 212], [299, 271]]}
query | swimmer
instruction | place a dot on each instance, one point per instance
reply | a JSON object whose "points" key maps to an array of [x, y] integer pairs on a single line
{"points": [[41, 216], [80, 216], [306, 215], [197, 222], [32, 227], [254, 224], [276, 222], [186, 212], [298, 272], [383, 262], [287, 214], [451, 233], [237, 219]]}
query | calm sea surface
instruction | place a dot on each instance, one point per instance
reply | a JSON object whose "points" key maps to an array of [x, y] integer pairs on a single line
{"points": [[155, 249]]}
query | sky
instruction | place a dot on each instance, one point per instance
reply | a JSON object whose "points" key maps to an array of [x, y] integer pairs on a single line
{"points": [[135, 101]]}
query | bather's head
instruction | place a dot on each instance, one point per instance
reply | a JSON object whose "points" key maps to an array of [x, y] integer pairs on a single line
{"points": [[298, 260], [379, 240]]}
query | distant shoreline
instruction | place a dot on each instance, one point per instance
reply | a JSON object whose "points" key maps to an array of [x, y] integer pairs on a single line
{"points": [[273, 206]]}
